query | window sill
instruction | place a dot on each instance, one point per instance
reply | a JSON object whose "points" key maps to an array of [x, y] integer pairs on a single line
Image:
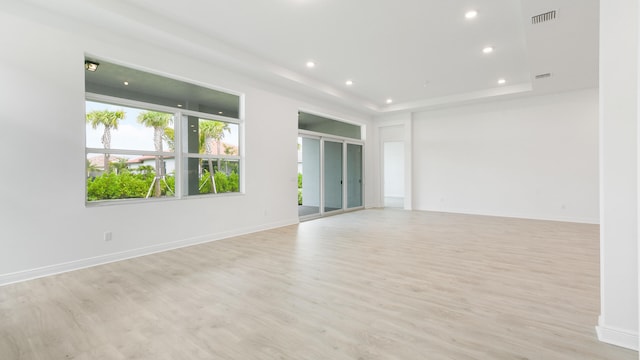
{"points": [[103, 203]]}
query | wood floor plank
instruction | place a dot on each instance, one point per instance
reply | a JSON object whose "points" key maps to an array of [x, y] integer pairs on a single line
{"points": [[373, 284]]}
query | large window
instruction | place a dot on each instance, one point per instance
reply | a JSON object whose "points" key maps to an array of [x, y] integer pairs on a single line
{"points": [[149, 137]]}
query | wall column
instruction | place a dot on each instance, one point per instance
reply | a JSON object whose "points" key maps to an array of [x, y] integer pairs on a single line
{"points": [[618, 322]]}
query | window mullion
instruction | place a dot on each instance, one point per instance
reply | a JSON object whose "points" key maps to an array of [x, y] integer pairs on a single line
{"points": [[178, 146]]}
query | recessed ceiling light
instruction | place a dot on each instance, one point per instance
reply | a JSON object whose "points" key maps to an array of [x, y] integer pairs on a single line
{"points": [[90, 65], [349, 82], [311, 64], [487, 50], [501, 81], [179, 105], [126, 83], [471, 14], [389, 101], [220, 112]]}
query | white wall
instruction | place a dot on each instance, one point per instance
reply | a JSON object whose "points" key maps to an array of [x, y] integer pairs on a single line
{"points": [[618, 322], [534, 157], [45, 225]]}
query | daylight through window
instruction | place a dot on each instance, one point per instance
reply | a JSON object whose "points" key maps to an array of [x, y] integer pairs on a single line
{"points": [[153, 137]]}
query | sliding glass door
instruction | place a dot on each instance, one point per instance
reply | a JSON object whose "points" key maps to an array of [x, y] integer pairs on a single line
{"points": [[354, 176], [330, 175], [333, 179], [309, 180]]}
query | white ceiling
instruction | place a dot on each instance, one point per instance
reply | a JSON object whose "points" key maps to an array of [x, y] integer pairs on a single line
{"points": [[420, 53]]}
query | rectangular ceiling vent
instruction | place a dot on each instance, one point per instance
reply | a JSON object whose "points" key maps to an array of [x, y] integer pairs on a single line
{"points": [[543, 76], [540, 18]]}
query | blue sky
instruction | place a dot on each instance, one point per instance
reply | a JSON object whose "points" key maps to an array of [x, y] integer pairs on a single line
{"points": [[130, 135]]}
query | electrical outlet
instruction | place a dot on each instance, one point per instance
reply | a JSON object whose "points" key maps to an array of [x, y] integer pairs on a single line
{"points": [[108, 236]]}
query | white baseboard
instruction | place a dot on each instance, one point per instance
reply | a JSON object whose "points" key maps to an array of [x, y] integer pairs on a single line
{"points": [[618, 337], [6, 279]]}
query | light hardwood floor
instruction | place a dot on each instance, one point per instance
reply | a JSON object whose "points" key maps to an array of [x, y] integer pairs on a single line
{"points": [[374, 284]]}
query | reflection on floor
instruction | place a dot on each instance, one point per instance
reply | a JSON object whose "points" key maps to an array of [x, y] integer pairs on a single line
{"points": [[370, 284], [305, 210], [393, 201]]}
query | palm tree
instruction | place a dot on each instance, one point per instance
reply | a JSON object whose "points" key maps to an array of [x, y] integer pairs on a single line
{"points": [[228, 150], [121, 166], [169, 137], [91, 168], [158, 121], [211, 131], [145, 169], [108, 119]]}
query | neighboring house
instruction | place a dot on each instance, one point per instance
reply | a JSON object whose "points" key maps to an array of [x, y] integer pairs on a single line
{"points": [[97, 161], [223, 149], [96, 164], [169, 163]]}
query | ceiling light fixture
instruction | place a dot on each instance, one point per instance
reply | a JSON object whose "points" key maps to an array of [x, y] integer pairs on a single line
{"points": [[220, 112], [349, 82], [179, 105], [389, 101], [126, 83], [501, 81], [311, 64], [90, 65], [471, 14], [487, 50]]}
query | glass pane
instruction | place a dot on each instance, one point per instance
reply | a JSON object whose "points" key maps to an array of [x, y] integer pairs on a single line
{"points": [[324, 125], [126, 128], [213, 137], [308, 176], [129, 177], [332, 176], [354, 175], [212, 176]]}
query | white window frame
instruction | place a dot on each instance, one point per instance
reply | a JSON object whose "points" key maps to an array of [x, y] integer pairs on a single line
{"points": [[179, 153]]}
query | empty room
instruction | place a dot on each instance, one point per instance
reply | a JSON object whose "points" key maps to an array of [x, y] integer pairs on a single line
{"points": [[319, 179]]}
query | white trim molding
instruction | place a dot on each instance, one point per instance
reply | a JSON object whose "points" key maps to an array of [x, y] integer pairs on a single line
{"points": [[30, 274], [619, 337]]}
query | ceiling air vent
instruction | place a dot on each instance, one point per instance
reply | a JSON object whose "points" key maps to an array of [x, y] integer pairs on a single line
{"points": [[543, 76], [540, 18]]}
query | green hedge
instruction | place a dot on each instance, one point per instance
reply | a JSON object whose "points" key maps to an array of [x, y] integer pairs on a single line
{"points": [[127, 185]]}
